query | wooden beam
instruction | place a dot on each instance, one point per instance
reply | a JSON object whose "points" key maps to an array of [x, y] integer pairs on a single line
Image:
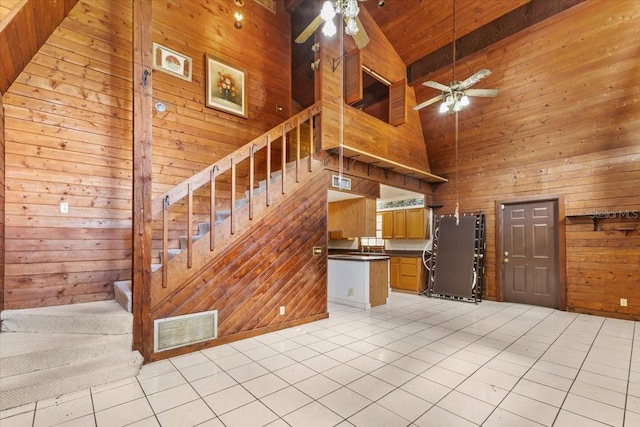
{"points": [[507, 25], [142, 131]]}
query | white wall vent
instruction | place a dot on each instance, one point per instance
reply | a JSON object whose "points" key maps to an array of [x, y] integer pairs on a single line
{"points": [[179, 331], [343, 184], [269, 4]]}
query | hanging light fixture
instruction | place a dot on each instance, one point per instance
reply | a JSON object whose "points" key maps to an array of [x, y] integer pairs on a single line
{"points": [[328, 13], [351, 10], [348, 8]]}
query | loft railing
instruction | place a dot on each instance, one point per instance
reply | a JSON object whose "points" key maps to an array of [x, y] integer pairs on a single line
{"points": [[162, 204]]}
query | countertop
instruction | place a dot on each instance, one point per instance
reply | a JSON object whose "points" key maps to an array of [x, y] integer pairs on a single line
{"points": [[408, 254], [359, 257]]}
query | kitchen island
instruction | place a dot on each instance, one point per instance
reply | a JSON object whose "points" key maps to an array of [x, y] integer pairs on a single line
{"points": [[358, 280]]}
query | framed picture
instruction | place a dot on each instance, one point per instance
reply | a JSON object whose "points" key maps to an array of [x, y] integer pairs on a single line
{"points": [[171, 62], [226, 88]]}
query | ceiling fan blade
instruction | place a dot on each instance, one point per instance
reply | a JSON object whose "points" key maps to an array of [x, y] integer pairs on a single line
{"points": [[474, 78], [428, 102], [311, 28], [487, 93], [437, 85], [361, 38]]}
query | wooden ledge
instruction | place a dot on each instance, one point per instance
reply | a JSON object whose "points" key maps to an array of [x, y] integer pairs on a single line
{"points": [[381, 162]]}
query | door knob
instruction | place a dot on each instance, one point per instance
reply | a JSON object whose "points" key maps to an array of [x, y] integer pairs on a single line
{"points": [[506, 260]]}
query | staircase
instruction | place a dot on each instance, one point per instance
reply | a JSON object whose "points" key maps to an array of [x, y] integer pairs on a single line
{"points": [[122, 288], [49, 351], [200, 242]]}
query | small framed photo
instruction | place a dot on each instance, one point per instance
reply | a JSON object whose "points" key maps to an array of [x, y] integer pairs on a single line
{"points": [[172, 62], [226, 88]]}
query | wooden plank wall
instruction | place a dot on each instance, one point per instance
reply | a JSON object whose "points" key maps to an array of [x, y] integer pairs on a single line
{"points": [[189, 136], [566, 122], [404, 143], [272, 267], [68, 135], [68, 139], [2, 201]]}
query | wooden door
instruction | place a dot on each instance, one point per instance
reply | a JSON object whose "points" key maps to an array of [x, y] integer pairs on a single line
{"points": [[530, 268]]}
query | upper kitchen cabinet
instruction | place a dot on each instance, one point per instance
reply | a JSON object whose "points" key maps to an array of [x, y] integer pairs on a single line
{"points": [[353, 217], [405, 224]]}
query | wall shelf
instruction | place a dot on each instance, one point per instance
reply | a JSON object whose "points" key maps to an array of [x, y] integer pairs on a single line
{"points": [[596, 217]]}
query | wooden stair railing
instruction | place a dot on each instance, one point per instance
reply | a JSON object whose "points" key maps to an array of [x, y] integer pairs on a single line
{"points": [[162, 204]]}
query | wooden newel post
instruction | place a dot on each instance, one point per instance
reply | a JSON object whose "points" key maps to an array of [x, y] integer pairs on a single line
{"points": [[141, 173]]}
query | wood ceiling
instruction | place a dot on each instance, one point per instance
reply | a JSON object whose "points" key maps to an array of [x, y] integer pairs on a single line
{"points": [[417, 28]]}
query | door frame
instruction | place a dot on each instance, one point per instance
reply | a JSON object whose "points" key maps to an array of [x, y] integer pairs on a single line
{"points": [[562, 243]]}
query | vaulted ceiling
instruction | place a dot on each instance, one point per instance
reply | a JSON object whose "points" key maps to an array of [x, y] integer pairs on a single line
{"points": [[422, 31], [417, 28]]}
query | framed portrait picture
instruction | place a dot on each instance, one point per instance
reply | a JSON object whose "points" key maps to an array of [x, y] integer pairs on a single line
{"points": [[226, 88], [172, 62]]}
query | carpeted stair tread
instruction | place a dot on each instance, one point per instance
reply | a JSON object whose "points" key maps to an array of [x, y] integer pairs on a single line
{"points": [[22, 352], [100, 317], [21, 389]]}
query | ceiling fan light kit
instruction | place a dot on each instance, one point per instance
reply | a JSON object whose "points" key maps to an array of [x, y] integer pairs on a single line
{"points": [[349, 10], [456, 95]]}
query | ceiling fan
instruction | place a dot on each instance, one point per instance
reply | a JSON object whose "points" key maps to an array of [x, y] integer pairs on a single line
{"points": [[349, 10], [456, 95]]}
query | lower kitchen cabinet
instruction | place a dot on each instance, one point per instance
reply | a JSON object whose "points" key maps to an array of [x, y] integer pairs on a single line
{"points": [[406, 274]]}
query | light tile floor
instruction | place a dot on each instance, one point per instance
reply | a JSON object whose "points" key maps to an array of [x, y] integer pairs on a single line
{"points": [[415, 362]]}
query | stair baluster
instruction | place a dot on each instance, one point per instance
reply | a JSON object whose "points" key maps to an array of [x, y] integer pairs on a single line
{"points": [[190, 226], [212, 209], [283, 157], [233, 197], [268, 189], [311, 150], [251, 178], [165, 240], [298, 151], [209, 175]]}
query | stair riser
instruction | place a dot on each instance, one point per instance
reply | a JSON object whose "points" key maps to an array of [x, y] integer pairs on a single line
{"points": [[74, 324], [63, 356], [67, 380]]}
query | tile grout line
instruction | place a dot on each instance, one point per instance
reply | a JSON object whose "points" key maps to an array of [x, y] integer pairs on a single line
{"points": [[595, 337], [453, 332], [626, 399], [493, 358]]}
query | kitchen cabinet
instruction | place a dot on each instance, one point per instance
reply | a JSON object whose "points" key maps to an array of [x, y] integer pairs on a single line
{"points": [[406, 274], [353, 217], [400, 224], [405, 224], [394, 271], [387, 224]]}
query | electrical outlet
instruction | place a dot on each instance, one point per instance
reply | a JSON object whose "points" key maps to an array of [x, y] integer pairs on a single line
{"points": [[64, 207], [623, 302], [282, 309], [350, 292]]}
